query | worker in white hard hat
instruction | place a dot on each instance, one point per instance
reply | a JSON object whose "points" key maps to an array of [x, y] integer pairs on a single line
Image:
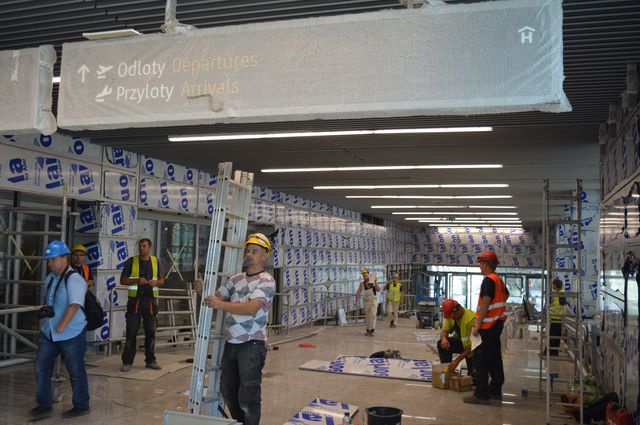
{"points": [[247, 298], [370, 290]]}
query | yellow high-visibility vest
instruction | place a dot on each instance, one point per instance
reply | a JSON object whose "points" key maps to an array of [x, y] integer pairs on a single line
{"points": [[135, 274], [394, 292], [463, 324], [556, 308]]}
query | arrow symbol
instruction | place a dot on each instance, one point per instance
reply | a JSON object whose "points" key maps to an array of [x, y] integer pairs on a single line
{"points": [[83, 70]]}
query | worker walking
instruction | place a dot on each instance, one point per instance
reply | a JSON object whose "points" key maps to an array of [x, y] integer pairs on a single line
{"points": [[557, 312], [78, 253], [394, 296], [490, 317], [458, 322], [370, 290], [143, 274], [247, 298], [63, 329]]}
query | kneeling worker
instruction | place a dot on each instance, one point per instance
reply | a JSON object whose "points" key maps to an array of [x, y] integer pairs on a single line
{"points": [[458, 321]]}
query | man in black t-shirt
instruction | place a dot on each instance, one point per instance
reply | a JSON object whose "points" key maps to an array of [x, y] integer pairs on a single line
{"points": [[143, 274]]}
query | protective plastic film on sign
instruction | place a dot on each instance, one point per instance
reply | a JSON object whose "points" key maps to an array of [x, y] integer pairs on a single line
{"points": [[481, 58], [26, 89]]}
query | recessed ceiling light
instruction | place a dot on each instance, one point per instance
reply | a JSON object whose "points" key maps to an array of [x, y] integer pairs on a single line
{"points": [[413, 186], [296, 134], [382, 168], [428, 196]]}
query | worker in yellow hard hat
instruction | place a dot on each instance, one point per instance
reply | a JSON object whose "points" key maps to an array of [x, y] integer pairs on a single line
{"points": [[247, 299], [78, 253]]}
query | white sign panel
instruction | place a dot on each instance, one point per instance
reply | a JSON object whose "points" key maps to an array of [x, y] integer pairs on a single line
{"points": [[26, 86], [72, 147], [490, 57]]}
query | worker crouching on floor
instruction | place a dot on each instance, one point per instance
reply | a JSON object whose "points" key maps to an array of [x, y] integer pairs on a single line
{"points": [[458, 322], [490, 317], [370, 290]]}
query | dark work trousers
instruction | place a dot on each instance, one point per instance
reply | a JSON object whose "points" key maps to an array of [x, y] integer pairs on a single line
{"points": [[455, 347], [488, 362], [241, 378], [556, 330], [145, 310]]}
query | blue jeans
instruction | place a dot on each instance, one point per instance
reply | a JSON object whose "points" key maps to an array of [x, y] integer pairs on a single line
{"points": [[241, 377], [72, 351]]}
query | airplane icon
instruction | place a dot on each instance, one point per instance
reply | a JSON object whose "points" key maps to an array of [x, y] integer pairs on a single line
{"points": [[103, 69], [106, 91]]}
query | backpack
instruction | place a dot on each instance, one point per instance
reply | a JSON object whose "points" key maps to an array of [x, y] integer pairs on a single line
{"points": [[92, 309]]}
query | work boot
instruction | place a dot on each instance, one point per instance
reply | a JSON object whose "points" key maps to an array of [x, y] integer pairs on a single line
{"points": [[154, 366], [125, 368], [496, 397], [38, 413], [371, 333], [472, 399], [75, 412]]}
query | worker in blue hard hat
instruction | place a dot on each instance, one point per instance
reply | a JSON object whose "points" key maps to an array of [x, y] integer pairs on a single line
{"points": [[62, 332]]}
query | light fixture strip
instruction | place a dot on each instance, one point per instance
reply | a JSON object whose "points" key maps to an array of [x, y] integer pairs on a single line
{"points": [[451, 213], [383, 168], [399, 207], [297, 134], [413, 186], [428, 196]]}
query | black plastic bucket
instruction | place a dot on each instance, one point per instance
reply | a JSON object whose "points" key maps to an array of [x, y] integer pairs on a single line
{"points": [[381, 415]]}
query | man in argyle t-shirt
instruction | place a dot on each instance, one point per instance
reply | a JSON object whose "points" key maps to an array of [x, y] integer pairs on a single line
{"points": [[246, 298]]}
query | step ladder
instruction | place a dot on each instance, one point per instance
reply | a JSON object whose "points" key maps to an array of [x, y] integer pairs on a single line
{"points": [[225, 256], [553, 375]]}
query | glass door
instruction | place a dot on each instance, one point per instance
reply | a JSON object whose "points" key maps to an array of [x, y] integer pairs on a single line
{"points": [[458, 288]]}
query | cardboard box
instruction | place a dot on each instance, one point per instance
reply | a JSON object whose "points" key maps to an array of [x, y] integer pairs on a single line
{"points": [[440, 378], [460, 383]]}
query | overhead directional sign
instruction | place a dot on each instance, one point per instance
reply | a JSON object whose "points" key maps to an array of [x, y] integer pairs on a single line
{"points": [[489, 57]]}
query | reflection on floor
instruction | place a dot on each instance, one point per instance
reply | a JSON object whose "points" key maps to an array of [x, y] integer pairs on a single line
{"points": [[286, 389]]}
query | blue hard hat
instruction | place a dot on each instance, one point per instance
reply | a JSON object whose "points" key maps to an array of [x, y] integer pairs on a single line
{"points": [[56, 249]]}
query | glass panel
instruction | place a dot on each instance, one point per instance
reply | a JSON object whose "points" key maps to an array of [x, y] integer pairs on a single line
{"points": [[177, 253], [458, 287], [476, 283], [516, 289], [535, 292]]}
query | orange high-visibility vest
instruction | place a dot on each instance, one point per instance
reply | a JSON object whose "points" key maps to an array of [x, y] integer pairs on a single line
{"points": [[498, 306], [85, 271]]}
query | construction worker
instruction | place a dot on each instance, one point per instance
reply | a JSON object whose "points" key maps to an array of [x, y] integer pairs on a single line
{"points": [[394, 295], [371, 290], [247, 298], [557, 312], [62, 332], [143, 274], [458, 321], [490, 317], [78, 252]]}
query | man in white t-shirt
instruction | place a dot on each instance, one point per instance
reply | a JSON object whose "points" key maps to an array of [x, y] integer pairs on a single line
{"points": [[247, 298]]}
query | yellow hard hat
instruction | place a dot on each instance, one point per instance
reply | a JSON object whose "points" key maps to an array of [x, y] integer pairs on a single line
{"points": [[79, 247], [260, 240], [363, 271]]}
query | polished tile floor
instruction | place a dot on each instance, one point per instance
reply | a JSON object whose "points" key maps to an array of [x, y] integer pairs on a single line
{"points": [[286, 388]]}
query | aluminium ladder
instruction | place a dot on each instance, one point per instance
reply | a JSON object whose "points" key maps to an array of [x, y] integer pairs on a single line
{"points": [[225, 256], [553, 250]]}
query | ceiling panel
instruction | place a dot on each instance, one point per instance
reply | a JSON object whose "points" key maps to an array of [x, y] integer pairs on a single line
{"points": [[600, 38]]}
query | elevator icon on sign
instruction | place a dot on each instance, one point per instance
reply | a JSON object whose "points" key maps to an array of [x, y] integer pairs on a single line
{"points": [[526, 35]]}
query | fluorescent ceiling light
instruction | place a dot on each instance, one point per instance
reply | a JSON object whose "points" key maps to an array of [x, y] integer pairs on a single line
{"points": [[499, 218], [448, 213], [399, 207], [101, 35], [486, 225], [55, 80], [382, 168], [428, 197], [290, 134], [511, 207], [413, 186]]}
